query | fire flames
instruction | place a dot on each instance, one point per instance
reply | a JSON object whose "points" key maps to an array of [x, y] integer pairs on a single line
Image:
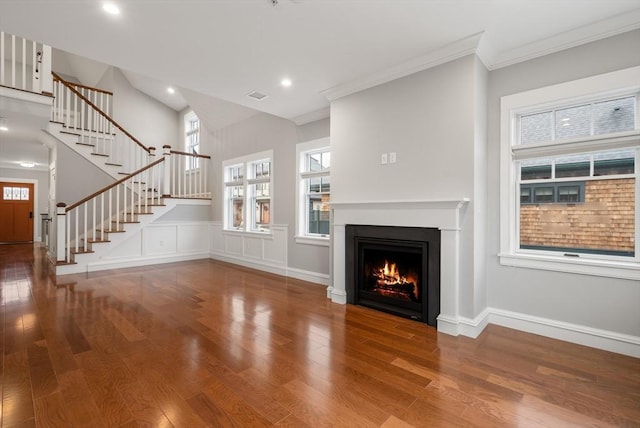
{"points": [[389, 281]]}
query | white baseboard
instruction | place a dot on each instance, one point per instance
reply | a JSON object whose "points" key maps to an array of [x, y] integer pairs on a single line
{"points": [[462, 325], [314, 277], [596, 338], [305, 275], [582, 335], [143, 261]]}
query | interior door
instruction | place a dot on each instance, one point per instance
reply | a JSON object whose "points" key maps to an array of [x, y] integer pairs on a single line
{"points": [[16, 212]]}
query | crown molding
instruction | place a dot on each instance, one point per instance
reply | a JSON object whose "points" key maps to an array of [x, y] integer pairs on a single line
{"points": [[579, 36], [450, 52], [312, 116]]}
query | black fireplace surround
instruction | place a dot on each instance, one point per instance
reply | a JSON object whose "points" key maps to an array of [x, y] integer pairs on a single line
{"points": [[394, 269]]}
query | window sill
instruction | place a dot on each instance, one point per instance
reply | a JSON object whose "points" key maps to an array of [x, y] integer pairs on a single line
{"points": [[253, 233], [606, 268], [312, 240]]}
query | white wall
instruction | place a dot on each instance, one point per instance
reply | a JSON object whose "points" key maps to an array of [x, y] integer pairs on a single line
{"points": [[151, 122], [611, 305]]}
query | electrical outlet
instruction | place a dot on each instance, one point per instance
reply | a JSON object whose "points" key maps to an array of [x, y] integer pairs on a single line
{"points": [[392, 157], [383, 159]]}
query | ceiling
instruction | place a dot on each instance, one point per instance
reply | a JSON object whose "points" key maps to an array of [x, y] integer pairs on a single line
{"points": [[214, 52]]}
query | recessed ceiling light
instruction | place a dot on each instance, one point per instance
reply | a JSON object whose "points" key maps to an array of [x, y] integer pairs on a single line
{"points": [[111, 9], [27, 164], [171, 90], [286, 82]]}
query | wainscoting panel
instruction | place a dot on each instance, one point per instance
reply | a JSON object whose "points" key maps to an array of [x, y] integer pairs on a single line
{"points": [[160, 239], [193, 238], [265, 251]]}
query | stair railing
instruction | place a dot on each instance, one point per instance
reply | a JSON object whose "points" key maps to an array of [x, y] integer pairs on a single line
{"points": [[91, 219], [77, 107], [189, 175], [25, 64]]}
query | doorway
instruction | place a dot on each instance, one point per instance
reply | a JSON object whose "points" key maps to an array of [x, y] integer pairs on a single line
{"points": [[16, 212]]}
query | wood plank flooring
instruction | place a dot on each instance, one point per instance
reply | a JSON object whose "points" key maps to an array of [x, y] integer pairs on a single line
{"points": [[205, 343]]}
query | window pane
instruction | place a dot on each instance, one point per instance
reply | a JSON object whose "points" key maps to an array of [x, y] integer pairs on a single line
{"points": [[573, 122], [569, 193], [536, 128], [237, 214], [614, 162], [7, 193], [614, 115], [326, 160], [525, 195], [318, 214], [315, 162], [573, 166], [543, 194], [314, 184], [535, 169], [325, 184], [603, 224], [16, 193], [262, 213], [24, 193]]}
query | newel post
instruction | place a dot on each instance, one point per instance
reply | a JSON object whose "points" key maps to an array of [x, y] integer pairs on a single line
{"points": [[61, 232], [46, 78], [166, 182]]}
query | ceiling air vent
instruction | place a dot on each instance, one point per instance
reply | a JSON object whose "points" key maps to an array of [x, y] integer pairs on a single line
{"points": [[257, 95]]}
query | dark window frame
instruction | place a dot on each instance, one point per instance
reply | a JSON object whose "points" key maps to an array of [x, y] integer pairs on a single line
{"points": [[531, 187]]}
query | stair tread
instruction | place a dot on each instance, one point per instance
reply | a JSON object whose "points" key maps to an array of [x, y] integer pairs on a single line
{"points": [[97, 241], [100, 154], [81, 250], [86, 144], [64, 263], [124, 221], [113, 164], [111, 231]]}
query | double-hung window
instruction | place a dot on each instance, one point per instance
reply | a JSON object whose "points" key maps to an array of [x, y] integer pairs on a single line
{"points": [[192, 140], [569, 176], [314, 192], [248, 184]]}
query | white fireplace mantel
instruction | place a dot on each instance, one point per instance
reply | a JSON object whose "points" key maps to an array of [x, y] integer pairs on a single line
{"points": [[444, 214]]}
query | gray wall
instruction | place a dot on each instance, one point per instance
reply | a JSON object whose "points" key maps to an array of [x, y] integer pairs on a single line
{"points": [[150, 121], [604, 303], [434, 121], [266, 132]]}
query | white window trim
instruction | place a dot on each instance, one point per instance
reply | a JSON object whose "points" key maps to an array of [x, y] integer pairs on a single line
{"points": [[246, 161], [302, 149], [511, 106]]}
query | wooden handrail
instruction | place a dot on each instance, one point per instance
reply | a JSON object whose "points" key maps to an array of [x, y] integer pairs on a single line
{"points": [[114, 184], [80, 85], [103, 114], [176, 152]]}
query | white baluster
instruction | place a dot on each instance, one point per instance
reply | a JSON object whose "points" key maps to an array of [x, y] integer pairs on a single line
{"points": [[24, 64], [2, 56], [13, 61]]}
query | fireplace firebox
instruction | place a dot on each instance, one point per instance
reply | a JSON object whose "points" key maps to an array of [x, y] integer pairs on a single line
{"points": [[394, 269]]}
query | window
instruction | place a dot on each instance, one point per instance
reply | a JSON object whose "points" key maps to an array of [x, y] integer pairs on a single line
{"points": [[569, 173], [15, 193], [248, 189], [192, 140], [314, 192]]}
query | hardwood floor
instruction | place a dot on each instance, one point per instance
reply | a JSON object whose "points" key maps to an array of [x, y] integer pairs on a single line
{"points": [[205, 343]]}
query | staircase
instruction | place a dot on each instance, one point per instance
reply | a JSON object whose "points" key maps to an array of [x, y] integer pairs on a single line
{"points": [[145, 186]]}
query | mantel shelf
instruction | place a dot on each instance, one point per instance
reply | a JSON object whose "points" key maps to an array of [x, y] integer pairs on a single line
{"points": [[407, 204]]}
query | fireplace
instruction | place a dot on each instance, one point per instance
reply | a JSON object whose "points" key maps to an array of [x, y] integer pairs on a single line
{"points": [[394, 269]]}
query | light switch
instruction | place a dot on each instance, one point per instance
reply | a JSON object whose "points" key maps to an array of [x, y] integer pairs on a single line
{"points": [[383, 159], [392, 157]]}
